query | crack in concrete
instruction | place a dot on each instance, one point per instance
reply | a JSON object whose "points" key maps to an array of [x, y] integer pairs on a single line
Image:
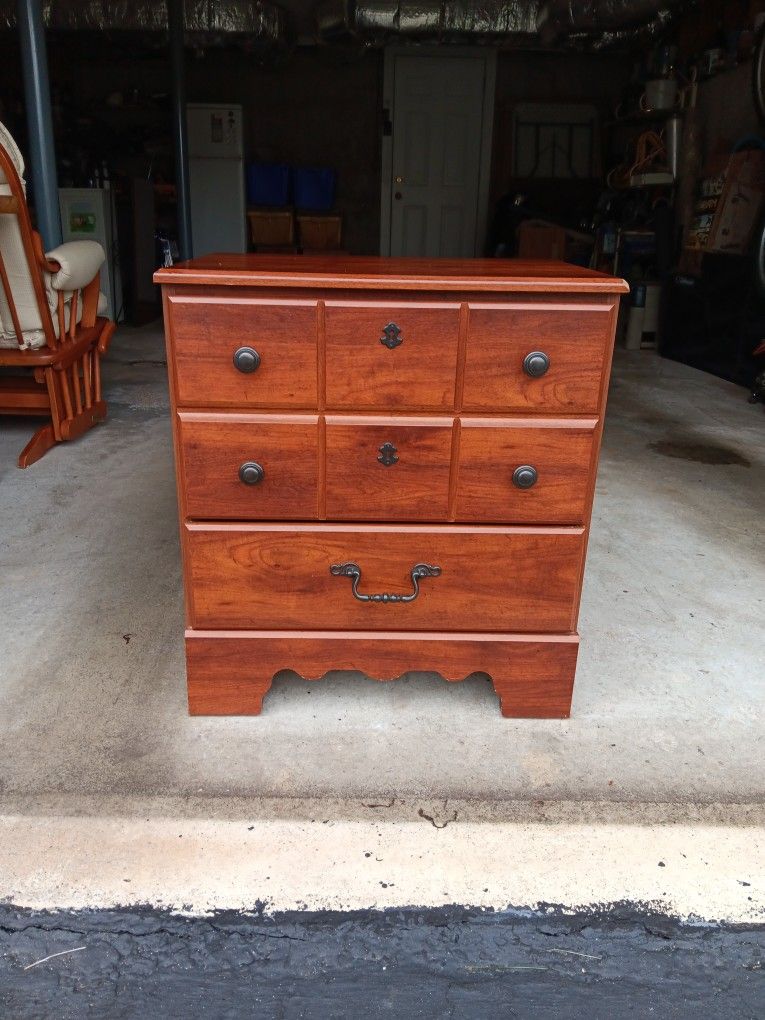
{"points": [[421, 812]]}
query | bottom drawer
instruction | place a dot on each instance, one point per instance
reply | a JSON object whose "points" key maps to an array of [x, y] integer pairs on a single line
{"points": [[494, 579], [229, 672]]}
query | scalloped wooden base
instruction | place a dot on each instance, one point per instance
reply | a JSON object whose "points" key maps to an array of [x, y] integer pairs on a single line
{"points": [[230, 672]]}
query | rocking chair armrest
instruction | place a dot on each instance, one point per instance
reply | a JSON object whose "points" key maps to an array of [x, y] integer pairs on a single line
{"points": [[78, 264]]}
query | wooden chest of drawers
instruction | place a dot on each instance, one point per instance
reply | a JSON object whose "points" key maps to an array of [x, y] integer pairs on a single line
{"points": [[385, 465]]}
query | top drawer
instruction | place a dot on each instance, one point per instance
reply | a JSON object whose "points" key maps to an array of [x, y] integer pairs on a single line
{"points": [[385, 356], [570, 341], [206, 335]]}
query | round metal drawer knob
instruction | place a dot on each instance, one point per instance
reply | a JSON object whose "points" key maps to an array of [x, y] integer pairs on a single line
{"points": [[251, 473], [524, 476], [246, 359], [535, 364]]}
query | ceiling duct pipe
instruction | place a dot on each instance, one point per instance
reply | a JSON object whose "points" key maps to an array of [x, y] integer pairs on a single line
{"points": [[427, 19], [203, 19], [595, 23], [491, 19], [610, 21]]}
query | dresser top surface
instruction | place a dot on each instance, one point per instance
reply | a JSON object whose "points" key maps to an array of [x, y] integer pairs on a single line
{"points": [[383, 273]]}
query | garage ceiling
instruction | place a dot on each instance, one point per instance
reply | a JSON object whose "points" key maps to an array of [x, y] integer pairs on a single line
{"points": [[505, 22]]}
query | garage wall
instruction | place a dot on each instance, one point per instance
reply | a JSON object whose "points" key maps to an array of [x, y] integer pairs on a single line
{"points": [[726, 110], [322, 106], [318, 106], [315, 107], [538, 76], [311, 106]]}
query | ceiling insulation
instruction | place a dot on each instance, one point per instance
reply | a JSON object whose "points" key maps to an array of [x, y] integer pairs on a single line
{"points": [[603, 15], [429, 18], [597, 22], [594, 23], [254, 19], [606, 22]]}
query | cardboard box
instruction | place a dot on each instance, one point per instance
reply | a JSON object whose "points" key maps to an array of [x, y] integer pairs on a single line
{"points": [[740, 205], [321, 232], [538, 239], [271, 226]]}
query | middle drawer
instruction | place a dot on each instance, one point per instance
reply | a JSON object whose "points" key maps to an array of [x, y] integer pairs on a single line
{"points": [[371, 468]]}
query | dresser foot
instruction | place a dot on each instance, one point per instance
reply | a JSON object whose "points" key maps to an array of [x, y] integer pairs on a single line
{"points": [[230, 672], [229, 677], [534, 679], [518, 699]]}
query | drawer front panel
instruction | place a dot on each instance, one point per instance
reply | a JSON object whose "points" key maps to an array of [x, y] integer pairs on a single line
{"points": [[575, 339], [207, 334], [527, 474], [389, 356], [377, 470], [213, 450], [277, 576]]}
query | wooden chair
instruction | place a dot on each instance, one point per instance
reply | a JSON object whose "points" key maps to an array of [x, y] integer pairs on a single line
{"points": [[52, 332]]}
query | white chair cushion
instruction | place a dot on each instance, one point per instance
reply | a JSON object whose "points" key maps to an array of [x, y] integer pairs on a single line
{"points": [[9, 144], [19, 277], [79, 261], [34, 339]]}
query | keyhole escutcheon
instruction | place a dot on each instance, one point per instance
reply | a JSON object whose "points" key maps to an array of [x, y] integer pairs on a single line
{"points": [[388, 454]]}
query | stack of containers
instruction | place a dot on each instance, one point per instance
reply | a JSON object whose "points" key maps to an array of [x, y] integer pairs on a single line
{"points": [[272, 224], [291, 208], [319, 228]]}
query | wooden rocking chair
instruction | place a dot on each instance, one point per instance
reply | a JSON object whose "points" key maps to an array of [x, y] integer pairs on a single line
{"points": [[50, 321]]}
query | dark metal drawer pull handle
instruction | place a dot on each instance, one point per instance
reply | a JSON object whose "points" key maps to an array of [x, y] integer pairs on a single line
{"points": [[353, 570], [251, 473], [535, 364], [246, 359], [525, 476], [391, 336]]}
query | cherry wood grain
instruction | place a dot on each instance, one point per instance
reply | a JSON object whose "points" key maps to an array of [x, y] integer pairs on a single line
{"points": [[213, 448], [361, 487], [507, 599], [381, 273], [362, 373], [576, 338], [602, 399], [230, 672], [278, 575], [206, 331], [491, 450]]}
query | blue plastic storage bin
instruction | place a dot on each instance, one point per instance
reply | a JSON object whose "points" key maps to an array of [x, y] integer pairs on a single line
{"points": [[314, 188], [268, 183]]}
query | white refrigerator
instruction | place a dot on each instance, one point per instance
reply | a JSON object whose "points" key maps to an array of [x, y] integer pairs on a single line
{"points": [[88, 214], [216, 178]]}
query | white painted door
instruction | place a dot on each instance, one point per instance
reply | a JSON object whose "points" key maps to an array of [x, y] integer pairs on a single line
{"points": [[436, 158]]}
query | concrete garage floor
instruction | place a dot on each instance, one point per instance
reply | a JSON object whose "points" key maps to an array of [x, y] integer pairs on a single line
{"points": [[668, 705]]}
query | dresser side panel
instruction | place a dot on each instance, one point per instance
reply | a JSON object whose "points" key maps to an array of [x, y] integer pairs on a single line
{"points": [[180, 481], [595, 456]]}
